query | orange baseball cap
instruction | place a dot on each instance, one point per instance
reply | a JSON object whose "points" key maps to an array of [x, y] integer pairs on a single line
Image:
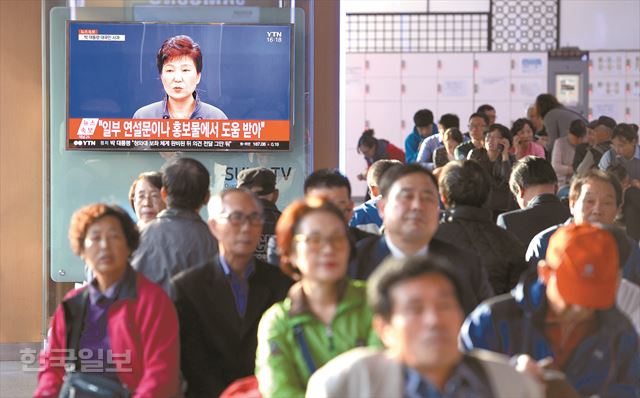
{"points": [[585, 260]]}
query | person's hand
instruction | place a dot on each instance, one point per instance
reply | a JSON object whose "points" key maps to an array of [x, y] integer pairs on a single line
{"points": [[517, 140], [635, 183], [525, 364], [361, 177], [547, 373], [505, 151], [505, 143]]}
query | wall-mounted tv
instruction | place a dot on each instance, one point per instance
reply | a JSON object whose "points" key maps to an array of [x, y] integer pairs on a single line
{"points": [[140, 86]]}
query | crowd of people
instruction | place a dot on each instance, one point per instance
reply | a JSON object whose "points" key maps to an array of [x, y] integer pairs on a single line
{"points": [[502, 262]]}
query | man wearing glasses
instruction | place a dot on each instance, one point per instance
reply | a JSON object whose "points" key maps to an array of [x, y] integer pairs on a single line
{"points": [[478, 124], [220, 303]]}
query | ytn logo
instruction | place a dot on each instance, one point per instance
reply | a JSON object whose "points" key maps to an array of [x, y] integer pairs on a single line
{"points": [[274, 37]]}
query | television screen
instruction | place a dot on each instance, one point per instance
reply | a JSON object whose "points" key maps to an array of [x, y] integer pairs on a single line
{"points": [[178, 87]]}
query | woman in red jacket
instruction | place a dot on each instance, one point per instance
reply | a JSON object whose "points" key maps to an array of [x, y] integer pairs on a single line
{"points": [[375, 149], [121, 326]]}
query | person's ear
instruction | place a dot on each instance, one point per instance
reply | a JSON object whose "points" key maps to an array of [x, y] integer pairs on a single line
{"points": [[276, 195], [198, 78], [163, 193], [572, 203], [382, 203], [287, 259], [206, 198], [213, 227], [383, 330], [375, 191], [444, 201], [544, 271]]}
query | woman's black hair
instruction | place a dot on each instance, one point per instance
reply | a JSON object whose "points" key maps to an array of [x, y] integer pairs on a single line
{"points": [[502, 129], [519, 125], [545, 103], [578, 128], [367, 139], [626, 132]]}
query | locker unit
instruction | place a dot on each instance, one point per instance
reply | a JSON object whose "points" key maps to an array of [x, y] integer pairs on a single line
{"points": [[615, 85]]}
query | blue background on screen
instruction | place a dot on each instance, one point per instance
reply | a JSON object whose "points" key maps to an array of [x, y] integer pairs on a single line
{"points": [[243, 74]]}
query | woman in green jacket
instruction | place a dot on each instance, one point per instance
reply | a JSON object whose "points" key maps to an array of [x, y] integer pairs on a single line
{"points": [[324, 314]]}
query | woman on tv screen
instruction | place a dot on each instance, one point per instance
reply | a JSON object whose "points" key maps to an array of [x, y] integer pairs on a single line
{"points": [[179, 63]]}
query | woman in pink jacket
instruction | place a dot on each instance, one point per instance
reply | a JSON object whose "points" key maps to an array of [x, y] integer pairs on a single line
{"points": [[121, 326], [523, 145]]}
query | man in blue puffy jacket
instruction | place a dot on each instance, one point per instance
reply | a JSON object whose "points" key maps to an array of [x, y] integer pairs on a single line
{"points": [[423, 128], [566, 318]]}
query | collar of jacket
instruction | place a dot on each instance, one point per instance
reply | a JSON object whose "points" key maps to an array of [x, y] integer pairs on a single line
{"points": [[128, 289], [74, 307], [603, 146], [468, 213], [174, 212], [268, 205], [543, 198], [300, 305], [196, 110]]}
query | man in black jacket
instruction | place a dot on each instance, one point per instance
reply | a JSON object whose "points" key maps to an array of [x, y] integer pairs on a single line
{"points": [[534, 183], [410, 212], [588, 154], [262, 182], [220, 303], [464, 188]]}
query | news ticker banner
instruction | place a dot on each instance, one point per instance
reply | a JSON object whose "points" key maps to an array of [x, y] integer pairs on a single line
{"points": [[178, 134]]}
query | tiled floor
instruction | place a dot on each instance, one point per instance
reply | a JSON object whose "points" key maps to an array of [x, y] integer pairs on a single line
{"points": [[16, 383]]}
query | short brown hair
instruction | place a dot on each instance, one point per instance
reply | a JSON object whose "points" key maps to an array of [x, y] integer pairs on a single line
{"points": [[289, 221], [179, 46], [153, 177], [454, 134], [83, 218]]}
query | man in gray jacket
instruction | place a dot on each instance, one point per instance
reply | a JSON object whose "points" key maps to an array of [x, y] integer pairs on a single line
{"points": [[418, 313], [178, 238]]}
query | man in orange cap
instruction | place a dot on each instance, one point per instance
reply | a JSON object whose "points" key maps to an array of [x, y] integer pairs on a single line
{"points": [[566, 319]]}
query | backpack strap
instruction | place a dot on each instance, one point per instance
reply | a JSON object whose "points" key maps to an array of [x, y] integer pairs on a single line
{"points": [[80, 304], [304, 347]]}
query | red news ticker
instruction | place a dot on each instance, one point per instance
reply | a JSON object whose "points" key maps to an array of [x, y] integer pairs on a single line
{"points": [[87, 31], [178, 129]]}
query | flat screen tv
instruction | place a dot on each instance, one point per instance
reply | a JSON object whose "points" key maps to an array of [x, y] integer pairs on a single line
{"points": [[140, 86]]}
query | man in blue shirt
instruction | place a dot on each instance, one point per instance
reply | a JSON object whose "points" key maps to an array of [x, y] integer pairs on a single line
{"points": [[430, 144], [423, 127], [594, 197], [625, 151]]}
